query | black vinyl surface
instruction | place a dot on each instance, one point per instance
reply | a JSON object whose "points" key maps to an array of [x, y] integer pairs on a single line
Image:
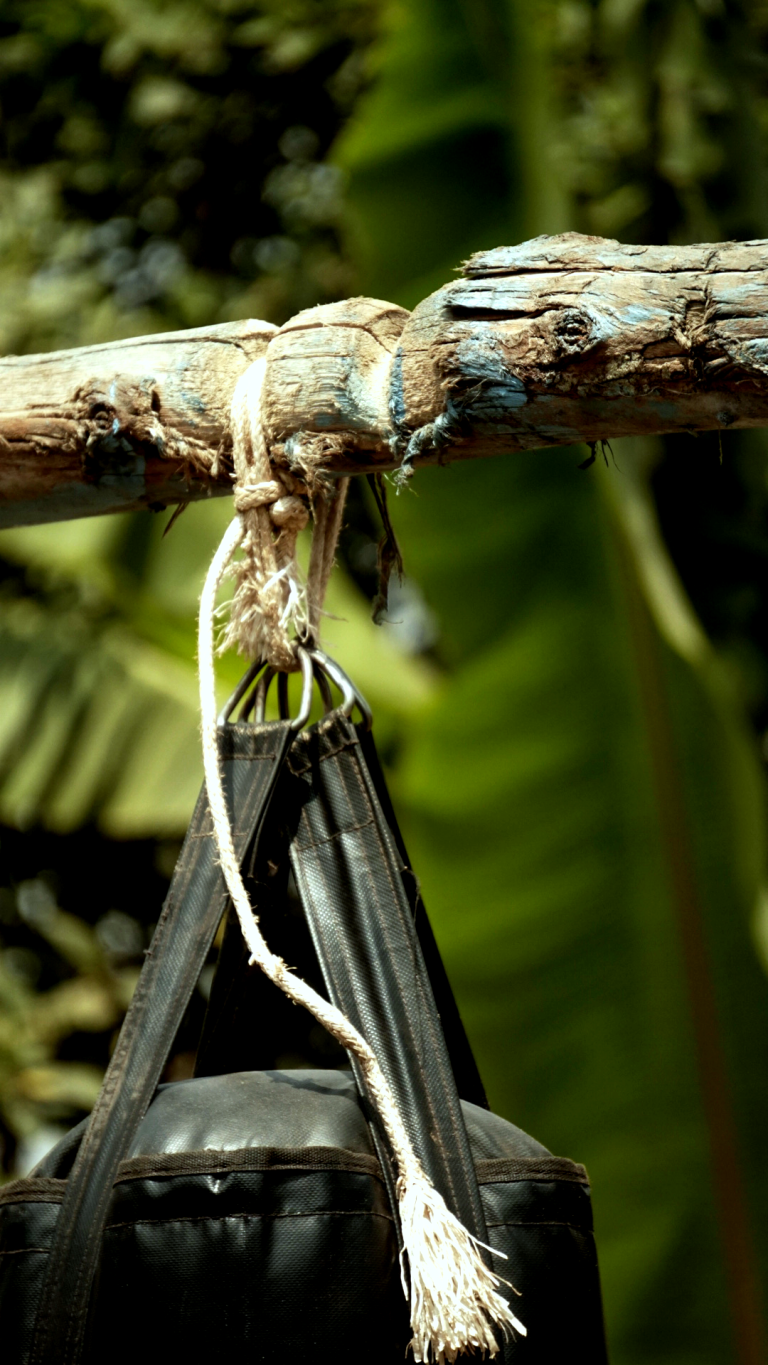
{"points": [[252, 1211], [278, 1239], [251, 757]]}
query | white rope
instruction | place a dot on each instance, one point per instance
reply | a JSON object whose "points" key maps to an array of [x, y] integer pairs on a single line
{"points": [[454, 1298]]}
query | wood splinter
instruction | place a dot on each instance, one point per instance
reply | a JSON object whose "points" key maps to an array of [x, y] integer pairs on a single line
{"points": [[562, 339]]}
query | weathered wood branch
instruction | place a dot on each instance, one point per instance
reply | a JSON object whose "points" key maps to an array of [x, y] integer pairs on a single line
{"points": [[115, 427], [558, 340]]}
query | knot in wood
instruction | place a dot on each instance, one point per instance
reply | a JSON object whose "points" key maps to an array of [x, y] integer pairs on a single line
{"points": [[573, 331], [118, 422]]}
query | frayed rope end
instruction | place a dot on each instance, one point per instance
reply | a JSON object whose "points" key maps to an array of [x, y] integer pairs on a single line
{"points": [[455, 1303]]}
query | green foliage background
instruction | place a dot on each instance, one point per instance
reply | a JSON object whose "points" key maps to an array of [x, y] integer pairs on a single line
{"points": [[573, 705]]}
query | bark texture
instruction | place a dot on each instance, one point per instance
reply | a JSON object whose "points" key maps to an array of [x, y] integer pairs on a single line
{"points": [[558, 340], [115, 427], [575, 338]]}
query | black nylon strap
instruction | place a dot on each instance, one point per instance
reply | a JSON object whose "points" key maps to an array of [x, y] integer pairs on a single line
{"points": [[244, 1019], [348, 874], [465, 1071], [252, 756]]}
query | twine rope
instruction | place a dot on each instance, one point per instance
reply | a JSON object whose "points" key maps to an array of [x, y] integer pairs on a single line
{"points": [[454, 1298], [273, 609]]}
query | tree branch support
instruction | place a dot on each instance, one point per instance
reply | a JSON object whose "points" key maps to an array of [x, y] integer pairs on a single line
{"points": [[562, 339]]}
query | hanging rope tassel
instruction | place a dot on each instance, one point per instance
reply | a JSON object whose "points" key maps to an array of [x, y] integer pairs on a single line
{"points": [[454, 1301]]}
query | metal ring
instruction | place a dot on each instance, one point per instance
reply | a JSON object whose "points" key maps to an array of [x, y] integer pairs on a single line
{"points": [[306, 691], [351, 695], [240, 690], [258, 698], [247, 706], [323, 688], [314, 664]]}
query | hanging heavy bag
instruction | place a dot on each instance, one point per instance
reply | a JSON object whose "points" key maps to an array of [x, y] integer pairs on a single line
{"points": [[531, 1207], [353, 877], [252, 1210], [300, 1212]]}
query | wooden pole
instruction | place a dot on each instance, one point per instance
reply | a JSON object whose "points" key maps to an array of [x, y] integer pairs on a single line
{"points": [[559, 340], [116, 427]]}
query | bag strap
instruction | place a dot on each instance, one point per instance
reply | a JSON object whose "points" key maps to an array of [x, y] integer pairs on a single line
{"points": [[465, 1070], [245, 1012], [252, 756], [348, 874]]}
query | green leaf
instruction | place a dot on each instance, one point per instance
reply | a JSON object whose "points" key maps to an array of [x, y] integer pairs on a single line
{"points": [[429, 150], [582, 799], [586, 813], [454, 148]]}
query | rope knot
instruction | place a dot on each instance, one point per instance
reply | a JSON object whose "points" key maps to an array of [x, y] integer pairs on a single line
{"points": [[249, 496], [289, 513], [273, 607]]}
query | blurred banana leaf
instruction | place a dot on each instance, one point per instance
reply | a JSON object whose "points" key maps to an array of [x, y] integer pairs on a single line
{"points": [[430, 146], [98, 688], [454, 148], [583, 798], [587, 816]]}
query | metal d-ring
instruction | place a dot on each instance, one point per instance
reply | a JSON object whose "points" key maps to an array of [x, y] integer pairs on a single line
{"points": [[306, 691], [240, 691], [324, 687], [257, 700], [257, 697], [351, 696]]}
